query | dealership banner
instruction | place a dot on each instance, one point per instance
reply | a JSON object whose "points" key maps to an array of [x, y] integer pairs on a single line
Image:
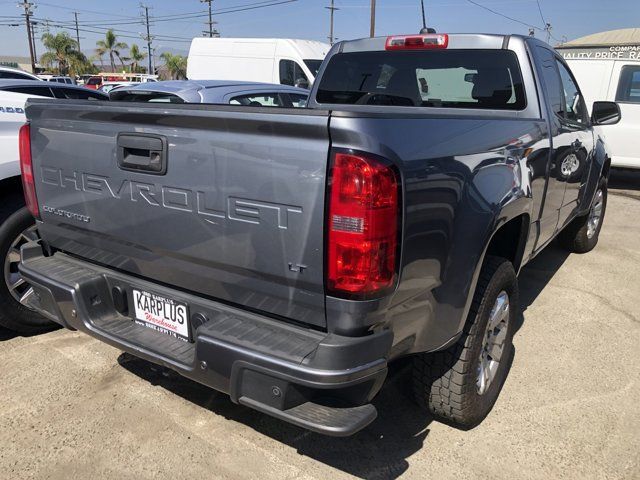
{"points": [[615, 52]]}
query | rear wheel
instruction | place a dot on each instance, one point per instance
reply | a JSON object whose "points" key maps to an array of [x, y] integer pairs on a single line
{"points": [[581, 235], [15, 231], [461, 384]]}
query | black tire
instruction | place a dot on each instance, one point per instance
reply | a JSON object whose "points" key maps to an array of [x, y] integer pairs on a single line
{"points": [[14, 315], [445, 382], [575, 237]]}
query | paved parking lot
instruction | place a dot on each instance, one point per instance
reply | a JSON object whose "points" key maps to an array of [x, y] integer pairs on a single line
{"points": [[71, 407]]}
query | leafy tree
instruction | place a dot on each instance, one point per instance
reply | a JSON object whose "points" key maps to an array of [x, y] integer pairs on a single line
{"points": [[176, 64], [62, 51], [113, 47], [136, 56]]}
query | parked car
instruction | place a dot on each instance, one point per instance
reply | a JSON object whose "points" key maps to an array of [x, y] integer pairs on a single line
{"points": [[50, 89], [16, 224], [286, 257], [612, 75], [271, 60], [214, 91], [7, 73]]}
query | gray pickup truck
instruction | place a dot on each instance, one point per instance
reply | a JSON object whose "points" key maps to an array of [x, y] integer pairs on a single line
{"points": [[285, 257]]}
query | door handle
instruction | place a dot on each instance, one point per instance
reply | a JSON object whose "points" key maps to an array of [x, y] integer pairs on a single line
{"points": [[141, 152]]}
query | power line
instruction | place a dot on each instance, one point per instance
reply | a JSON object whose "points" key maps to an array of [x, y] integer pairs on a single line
{"points": [[505, 16], [544, 22]]}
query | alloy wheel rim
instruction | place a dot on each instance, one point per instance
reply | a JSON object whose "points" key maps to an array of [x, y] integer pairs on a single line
{"points": [[19, 289], [595, 214], [493, 343]]}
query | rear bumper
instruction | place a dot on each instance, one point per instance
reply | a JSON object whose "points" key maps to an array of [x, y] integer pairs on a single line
{"points": [[322, 382]]}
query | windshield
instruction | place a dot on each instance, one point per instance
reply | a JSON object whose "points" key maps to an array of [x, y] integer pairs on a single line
{"points": [[313, 66], [487, 79]]}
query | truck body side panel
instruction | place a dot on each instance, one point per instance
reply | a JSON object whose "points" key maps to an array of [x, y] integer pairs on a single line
{"points": [[463, 178]]}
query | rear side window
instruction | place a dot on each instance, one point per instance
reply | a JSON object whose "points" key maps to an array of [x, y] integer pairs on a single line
{"points": [[94, 81], [14, 75], [629, 84], [552, 81], [484, 79], [148, 97], [258, 100], [78, 94], [298, 100], [40, 91]]}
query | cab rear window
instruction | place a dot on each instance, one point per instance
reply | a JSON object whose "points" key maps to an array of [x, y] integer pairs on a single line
{"points": [[483, 79]]}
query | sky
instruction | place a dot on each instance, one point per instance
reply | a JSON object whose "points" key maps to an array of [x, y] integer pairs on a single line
{"points": [[309, 19]]}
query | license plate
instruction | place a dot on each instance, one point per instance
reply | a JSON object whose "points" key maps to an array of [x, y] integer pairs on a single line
{"points": [[162, 314]]}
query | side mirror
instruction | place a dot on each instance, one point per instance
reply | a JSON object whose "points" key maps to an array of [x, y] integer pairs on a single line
{"points": [[605, 113], [302, 83]]}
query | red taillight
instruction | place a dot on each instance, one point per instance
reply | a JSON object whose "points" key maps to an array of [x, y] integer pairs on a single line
{"points": [[362, 226], [417, 42], [26, 166]]}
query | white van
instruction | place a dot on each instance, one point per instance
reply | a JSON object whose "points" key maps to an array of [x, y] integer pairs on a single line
{"points": [[270, 60], [612, 73]]}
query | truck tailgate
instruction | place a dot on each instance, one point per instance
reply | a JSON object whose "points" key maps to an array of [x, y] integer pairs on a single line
{"points": [[227, 202]]}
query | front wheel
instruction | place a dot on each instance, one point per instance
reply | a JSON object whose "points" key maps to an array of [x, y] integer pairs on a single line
{"points": [[581, 235], [461, 384], [15, 231]]}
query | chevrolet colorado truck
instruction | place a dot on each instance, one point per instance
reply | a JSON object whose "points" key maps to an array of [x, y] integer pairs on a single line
{"points": [[286, 256]]}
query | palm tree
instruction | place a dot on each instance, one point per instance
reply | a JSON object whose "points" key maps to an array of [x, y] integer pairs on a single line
{"points": [[63, 51], [112, 46], [176, 64], [136, 56]]}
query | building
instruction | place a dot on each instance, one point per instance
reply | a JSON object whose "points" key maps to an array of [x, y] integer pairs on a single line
{"points": [[23, 63], [621, 44]]}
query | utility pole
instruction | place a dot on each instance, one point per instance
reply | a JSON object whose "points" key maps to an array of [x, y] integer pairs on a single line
{"points": [[212, 32], [547, 28], [148, 39], [33, 38], [27, 15], [75, 14], [372, 27], [424, 18], [331, 9]]}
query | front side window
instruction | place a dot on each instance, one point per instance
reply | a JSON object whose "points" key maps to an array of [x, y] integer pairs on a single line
{"points": [[574, 106], [258, 100], [461, 78], [629, 84], [291, 73]]}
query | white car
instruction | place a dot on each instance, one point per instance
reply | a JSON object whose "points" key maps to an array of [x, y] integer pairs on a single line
{"points": [[615, 78], [16, 223], [8, 73]]}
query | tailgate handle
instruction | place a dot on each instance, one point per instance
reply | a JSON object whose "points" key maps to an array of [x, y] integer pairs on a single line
{"points": [[141, 152]]}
